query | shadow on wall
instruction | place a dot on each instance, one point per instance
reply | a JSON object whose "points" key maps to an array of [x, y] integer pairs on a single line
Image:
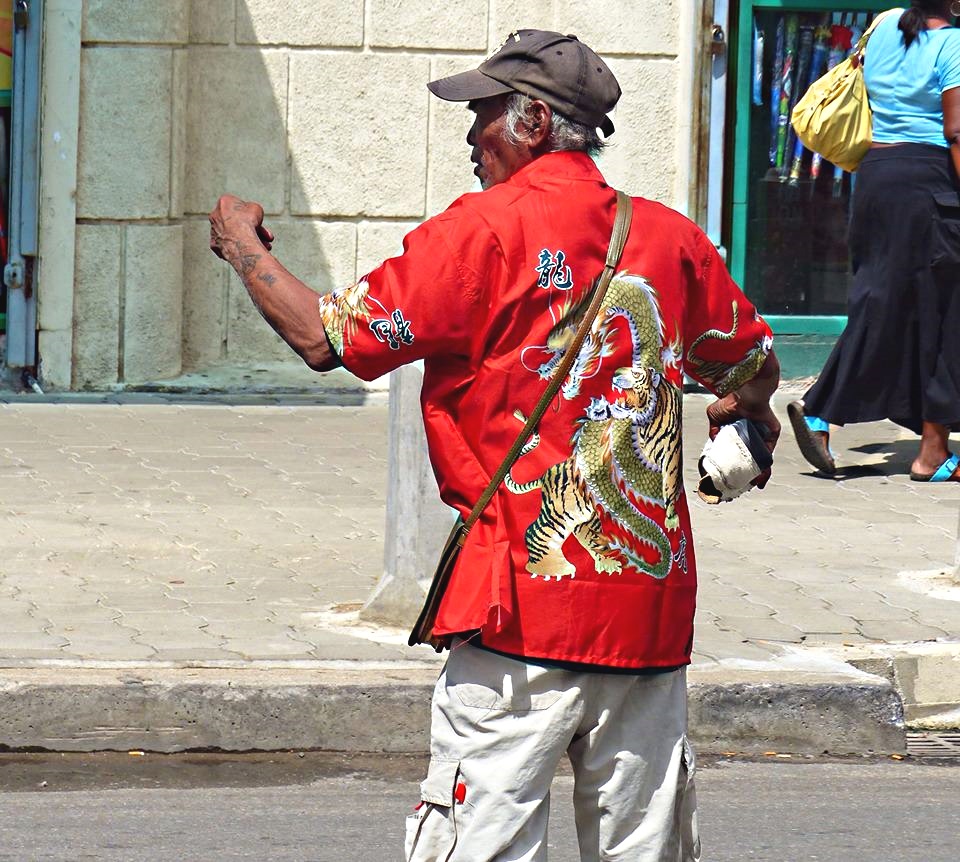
{"points": [[331, 141], [325, 119], [237, 143]]}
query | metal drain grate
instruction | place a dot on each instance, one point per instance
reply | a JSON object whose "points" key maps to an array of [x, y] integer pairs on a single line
{"points": [[933, 744]]}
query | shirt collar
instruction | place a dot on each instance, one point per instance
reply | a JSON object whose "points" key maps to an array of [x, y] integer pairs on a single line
{"points": [[557, 167]]}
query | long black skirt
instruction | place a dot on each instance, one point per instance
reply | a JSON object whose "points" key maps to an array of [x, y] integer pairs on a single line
{"points": [[899, 356]]}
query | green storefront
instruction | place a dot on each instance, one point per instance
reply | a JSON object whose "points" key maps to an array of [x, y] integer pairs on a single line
{"points": [[785, 212]]}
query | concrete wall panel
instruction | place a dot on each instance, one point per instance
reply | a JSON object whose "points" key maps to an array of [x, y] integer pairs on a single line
{"points": [[642, 158], [236, 123], [323, 255], [607, 26], [124, 145], [414, 24], [204, 298], [96, 306], [358, 134], [178, 132], [212, 22], [152, 316], [509, 15], [321, 23], [167, 21], [450, 169], [55, 347], [377, 241], [317, 110], [249, 337]]}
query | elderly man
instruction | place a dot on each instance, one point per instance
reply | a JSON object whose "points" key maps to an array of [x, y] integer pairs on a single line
{"points": [[570, 611]]}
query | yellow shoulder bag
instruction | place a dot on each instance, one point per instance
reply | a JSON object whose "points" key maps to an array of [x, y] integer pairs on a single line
{"points": [[833, 117]]}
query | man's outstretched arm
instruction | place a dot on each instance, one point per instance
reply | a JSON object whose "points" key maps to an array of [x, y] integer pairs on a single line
{"points": [[238, 236]]}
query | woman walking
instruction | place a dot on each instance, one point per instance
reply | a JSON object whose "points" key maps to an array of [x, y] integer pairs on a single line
{"points": [[899, 356]]}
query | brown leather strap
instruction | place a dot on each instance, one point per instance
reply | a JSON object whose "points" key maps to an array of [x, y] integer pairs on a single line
{"points": [[618, 239]]}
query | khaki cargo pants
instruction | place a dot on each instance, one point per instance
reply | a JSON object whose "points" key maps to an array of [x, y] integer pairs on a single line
{"points": [[499, 729]]}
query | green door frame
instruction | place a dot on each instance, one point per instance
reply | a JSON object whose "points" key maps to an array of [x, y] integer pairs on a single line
{"points": [[4, 103], [743, 39]]}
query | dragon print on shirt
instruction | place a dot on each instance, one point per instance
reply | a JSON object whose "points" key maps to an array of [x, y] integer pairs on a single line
{"points": [[341, 310], [722, 376], [626, 449]]}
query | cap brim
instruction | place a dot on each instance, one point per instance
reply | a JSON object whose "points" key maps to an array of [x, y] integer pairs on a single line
{"points": [[467, 86]]}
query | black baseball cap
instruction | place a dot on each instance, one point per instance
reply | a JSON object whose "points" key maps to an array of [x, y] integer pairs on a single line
{"points": [[562, 71]]}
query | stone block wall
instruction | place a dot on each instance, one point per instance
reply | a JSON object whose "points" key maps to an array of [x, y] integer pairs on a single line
{"points": [[128, 297], [319, 111]]}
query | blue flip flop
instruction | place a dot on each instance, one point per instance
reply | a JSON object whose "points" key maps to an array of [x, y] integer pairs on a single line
{"points": [[943, 473], [814, 449]]}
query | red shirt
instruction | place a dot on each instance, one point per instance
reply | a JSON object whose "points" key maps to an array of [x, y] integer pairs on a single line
{"points": [[585, 553]]}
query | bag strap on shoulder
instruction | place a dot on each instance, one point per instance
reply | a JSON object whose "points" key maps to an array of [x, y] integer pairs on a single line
{"points": [[618, 239], [861, 49]]}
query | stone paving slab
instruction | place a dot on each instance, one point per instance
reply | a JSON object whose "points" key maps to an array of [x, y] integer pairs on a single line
{"points": [[250, 519], [191, 532]]}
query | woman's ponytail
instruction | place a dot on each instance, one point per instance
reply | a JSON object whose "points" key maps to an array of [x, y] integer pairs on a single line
{"points": [[914, 21]]}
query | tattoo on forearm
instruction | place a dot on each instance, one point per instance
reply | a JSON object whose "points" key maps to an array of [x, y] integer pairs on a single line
{"points": [[267, 278], [248, 263], [243, 260]]}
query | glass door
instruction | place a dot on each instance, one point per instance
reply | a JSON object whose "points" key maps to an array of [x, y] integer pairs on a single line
{"points": [[788, 209]]}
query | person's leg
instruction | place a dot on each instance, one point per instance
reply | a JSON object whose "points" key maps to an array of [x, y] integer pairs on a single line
{"points": [[499, 728], [634, 792], [813, 437], [934, 452]]}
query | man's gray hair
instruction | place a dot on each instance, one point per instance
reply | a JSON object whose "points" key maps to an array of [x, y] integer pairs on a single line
{"points": [[565, 134]]}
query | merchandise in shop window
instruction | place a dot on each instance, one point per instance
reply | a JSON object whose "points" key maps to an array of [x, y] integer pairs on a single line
{"points": [[775, 90], [786, 89], [806, 45], [757, 64], [797, 206], [819, 38], [841, 44]]}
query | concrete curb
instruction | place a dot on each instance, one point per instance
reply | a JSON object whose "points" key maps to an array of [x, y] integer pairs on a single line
{"points": [[388, 710]]}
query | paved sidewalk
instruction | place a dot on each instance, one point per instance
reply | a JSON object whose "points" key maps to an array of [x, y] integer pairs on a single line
{"points": [[198, 540]]}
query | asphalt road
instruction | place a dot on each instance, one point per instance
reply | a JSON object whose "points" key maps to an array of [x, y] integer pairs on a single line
{"points": [[329, 808]]}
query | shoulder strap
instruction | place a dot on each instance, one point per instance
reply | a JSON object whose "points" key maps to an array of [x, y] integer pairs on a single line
{"points": [[618, 239], [861, 49]]}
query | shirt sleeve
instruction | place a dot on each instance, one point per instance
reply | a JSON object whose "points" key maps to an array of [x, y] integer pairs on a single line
{"points": [[948, 62], [423, 303], [726, 341]]}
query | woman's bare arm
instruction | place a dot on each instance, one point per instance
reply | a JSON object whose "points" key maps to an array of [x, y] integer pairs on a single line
{"points": [[951, 124]]}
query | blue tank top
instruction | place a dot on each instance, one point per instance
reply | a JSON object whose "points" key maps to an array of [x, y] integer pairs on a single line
{"points": [[905, 86]]}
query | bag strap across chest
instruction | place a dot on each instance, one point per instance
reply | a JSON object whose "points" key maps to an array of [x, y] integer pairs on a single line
{"points": [[618, 239]]}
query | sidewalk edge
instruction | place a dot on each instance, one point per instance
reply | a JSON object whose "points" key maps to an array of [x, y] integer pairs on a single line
{"points": [[389, 711]]}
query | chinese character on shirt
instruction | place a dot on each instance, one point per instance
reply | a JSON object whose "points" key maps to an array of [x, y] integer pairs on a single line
{"points": [[392, 332], [552, 270]]}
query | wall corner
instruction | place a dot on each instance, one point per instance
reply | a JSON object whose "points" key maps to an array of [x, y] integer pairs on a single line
{"points": [[59, 128]]}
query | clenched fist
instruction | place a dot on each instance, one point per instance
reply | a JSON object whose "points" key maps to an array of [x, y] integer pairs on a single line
{"points": [[232, 222]]}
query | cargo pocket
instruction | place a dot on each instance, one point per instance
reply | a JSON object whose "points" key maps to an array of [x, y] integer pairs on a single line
{"points": [[689, 827], [945, 237], [431, 831], [484, 680]]}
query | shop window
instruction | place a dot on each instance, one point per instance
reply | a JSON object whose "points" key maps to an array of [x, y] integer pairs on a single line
{"points": [[790, 208]]}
